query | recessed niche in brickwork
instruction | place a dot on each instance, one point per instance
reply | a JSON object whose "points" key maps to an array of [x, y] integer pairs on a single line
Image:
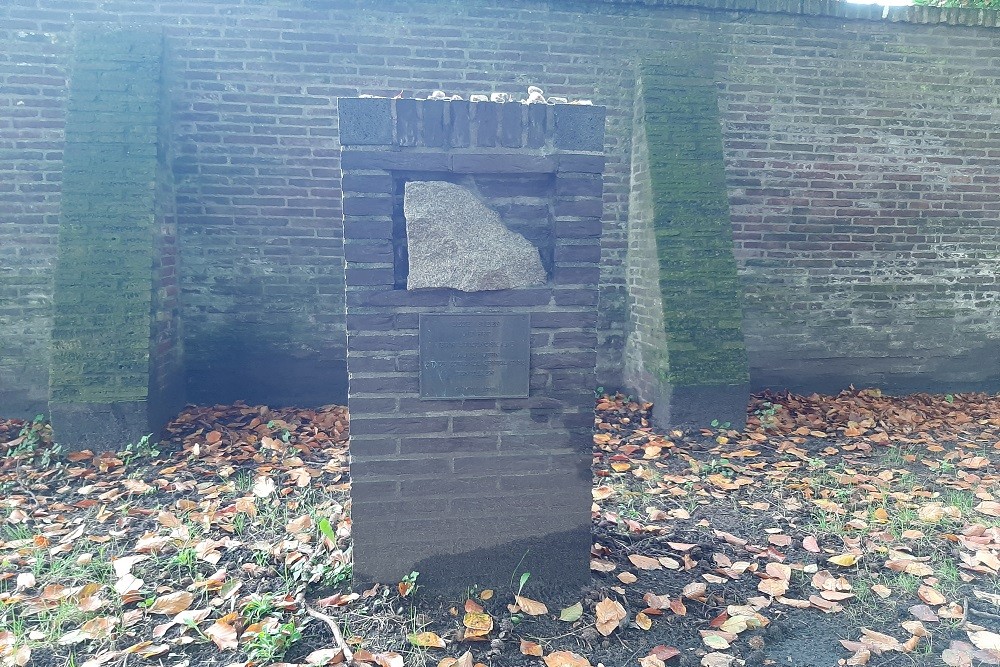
{"points": [[436, 449], [524, 203]]}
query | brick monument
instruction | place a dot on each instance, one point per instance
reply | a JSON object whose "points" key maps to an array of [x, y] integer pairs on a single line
{"points": [[472, 244]]}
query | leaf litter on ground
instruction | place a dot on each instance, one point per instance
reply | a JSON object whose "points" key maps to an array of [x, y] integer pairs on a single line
{"points": [[718, 544]]}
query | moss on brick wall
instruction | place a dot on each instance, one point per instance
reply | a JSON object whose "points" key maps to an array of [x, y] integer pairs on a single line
{"points": [[102, 281], [698, 282]]}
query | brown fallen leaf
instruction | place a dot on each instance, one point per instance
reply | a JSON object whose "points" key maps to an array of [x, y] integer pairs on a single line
{"points": [[565, 659], [985, 640], [643, 621], [931, 596], [609, 615], [664, 653], [922, 612], [172, 603], [223, 634], [530, 607], [645, 562], [531, 648], [989, 508]]}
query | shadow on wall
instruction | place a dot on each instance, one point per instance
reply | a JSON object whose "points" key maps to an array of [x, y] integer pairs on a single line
{"points": [[245, 364]]}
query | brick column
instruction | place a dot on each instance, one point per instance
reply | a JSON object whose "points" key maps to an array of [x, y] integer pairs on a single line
{"points": [[467, 490], [685, 349], [99, 379]]}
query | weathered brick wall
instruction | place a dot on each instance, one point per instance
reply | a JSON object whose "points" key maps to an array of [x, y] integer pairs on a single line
{"points": [[505, 480], [32, 107], [166, 348], [103, 343], [838, 129], [685, 351]]}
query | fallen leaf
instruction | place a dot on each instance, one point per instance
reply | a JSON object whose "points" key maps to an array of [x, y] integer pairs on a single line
{"points": [[609, 615], [426, 640], [931, 596], [571, 613], [882, 591], [263, 486], [714, 640], [844, 560], [664, 653], [123, 566], [985, 640], [171, 604], [530, 607], [223, 634], [716, 659], [302, 524], [479, 624], [645, 562], [531, 648], [324, 656], [643, 621], [989, 508], [922, 612], [565, 659]]}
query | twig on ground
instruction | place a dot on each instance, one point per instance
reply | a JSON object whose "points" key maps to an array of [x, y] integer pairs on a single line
{"points": [[338, 636]]}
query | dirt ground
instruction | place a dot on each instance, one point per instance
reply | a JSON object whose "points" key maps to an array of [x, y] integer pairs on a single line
{"points": [[852, 529]]}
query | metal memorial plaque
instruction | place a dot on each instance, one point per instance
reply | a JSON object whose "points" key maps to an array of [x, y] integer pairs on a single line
{"points": [[474, 356]]}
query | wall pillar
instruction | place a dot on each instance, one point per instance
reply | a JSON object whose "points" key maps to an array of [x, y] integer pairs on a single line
{"points": [[104, 340], [685, 351]]}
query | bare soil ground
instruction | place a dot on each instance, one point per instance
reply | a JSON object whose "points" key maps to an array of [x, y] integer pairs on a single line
{"points": [[852, 529]]}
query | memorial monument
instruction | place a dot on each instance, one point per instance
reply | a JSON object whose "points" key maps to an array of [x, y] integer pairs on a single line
{"points": [[472, 246]]}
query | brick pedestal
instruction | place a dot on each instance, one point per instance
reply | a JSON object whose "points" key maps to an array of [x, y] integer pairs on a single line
{"points": [[465, 491]]}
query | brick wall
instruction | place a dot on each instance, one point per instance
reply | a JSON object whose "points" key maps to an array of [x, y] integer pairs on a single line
{"points": [[33, 83], [860, 160]]}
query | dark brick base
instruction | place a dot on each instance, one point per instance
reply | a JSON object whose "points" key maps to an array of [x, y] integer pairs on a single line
{"points": [[697, 407], [100, 426], [276, 380], [553, 560]]}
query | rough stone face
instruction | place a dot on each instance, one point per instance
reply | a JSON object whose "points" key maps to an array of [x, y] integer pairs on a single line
{"points": [[454, 240]]}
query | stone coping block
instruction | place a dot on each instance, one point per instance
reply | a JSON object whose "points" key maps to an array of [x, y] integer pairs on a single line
{"points": [[458, 124]]}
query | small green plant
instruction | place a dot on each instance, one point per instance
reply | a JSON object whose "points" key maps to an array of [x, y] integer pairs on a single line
{"points": [[720, 425], [522, 581], [35, 440], [144, 449], [326, 530], [949, 398], [598, 392], [186, 559], [285, 436], [408, 584], [338, 574], [258, 607], [767, 413], [272, 642]]}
